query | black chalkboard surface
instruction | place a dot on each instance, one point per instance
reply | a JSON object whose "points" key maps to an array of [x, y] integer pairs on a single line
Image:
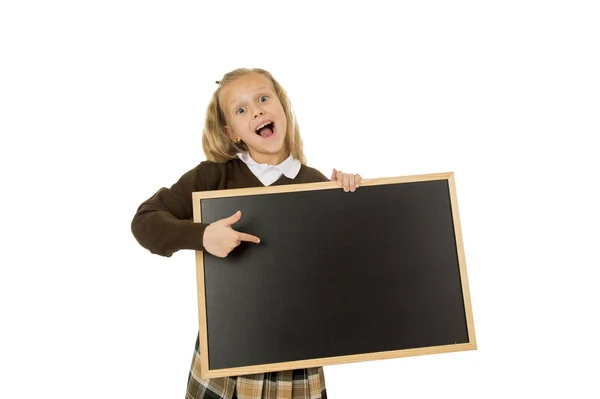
{"points": [[338, 277]]}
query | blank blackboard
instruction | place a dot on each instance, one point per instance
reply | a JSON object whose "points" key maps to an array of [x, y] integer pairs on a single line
{"points": [[338, 277]]}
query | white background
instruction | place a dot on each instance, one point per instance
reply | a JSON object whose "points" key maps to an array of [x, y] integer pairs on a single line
{"points": [[103, 103]]}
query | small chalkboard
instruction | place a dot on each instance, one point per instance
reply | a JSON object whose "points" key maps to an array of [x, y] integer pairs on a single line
{"points": [[338, 277]]}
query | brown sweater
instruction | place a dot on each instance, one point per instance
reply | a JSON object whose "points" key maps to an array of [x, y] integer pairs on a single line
{"points": [[163, 224]]}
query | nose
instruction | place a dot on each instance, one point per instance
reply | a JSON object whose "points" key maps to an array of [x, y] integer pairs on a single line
{"points": [[257, 112]]}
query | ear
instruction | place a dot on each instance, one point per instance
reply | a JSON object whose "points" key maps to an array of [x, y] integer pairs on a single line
{"points": [[229, 133]]}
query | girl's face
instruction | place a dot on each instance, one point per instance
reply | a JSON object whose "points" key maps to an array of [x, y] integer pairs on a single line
{"points": [[255, 115]]}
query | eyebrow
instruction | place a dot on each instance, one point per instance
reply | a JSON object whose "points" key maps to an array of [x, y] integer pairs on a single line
{"points": [[260, 89]]}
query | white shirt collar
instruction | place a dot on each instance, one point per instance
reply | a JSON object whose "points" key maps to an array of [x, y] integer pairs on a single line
{"points": [[268, 174]]}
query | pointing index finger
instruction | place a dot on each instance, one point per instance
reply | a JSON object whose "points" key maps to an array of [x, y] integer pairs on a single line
{"points": [[248, 237]]}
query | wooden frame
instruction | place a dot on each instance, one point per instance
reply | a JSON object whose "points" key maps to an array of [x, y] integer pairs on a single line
{"points": [[207, 372]]}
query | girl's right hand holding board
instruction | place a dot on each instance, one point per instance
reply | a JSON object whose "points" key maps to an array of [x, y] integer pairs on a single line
{"points": [[220, 239]]}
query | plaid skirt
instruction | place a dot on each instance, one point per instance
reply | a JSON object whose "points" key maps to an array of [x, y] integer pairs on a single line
{"points": [[292, 384]]}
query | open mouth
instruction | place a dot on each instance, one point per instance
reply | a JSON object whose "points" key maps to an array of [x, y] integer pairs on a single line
{"points": [[266, 130]]}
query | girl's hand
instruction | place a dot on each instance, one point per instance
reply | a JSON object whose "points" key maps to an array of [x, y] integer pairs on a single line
{"points": [[220, 239], [349, 181]]}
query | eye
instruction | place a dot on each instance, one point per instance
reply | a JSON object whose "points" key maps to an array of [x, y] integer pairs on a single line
{"points": [[239, 111], [262, 99]]}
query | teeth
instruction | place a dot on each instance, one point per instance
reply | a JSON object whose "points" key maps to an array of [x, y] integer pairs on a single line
{"points": [[263, 125]]}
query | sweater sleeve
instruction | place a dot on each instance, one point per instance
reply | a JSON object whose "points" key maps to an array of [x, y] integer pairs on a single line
{"points": [[163, 224], [313, 175]]}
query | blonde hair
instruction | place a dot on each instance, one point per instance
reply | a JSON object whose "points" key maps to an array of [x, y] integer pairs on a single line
{"points": [[220, 148]]}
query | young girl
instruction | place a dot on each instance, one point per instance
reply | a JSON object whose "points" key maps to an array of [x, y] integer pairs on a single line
{"points": [[250, 139]]}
